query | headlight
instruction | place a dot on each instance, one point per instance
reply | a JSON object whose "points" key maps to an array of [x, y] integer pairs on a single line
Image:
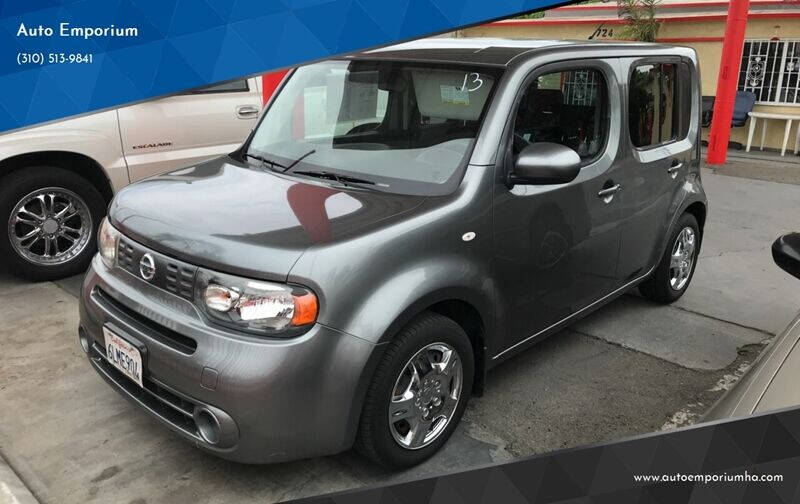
{"points": [[254, 305], [107, 239]]}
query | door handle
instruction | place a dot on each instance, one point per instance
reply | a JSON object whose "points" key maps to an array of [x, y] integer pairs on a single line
{"points": [[246, 111], [608, 193], [674, 169]]}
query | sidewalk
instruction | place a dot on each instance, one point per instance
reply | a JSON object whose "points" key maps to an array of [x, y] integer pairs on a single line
{"points": [[759, 165], [12, 489]]}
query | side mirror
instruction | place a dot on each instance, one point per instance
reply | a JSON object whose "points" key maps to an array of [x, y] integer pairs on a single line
{"points": [[546, 163], [786, 253]]}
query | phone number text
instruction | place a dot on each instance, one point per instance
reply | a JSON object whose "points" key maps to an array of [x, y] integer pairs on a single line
{"points": [[25, 58]]}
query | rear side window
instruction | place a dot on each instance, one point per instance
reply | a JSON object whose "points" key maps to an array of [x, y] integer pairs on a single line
{"points": [[653, 108], [568, 107]]}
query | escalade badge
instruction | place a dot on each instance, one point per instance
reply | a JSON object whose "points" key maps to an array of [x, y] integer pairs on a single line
{"points": [[147, 267], [153, 145]]}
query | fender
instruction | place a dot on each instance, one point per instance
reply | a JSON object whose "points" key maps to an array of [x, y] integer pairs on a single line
{"points": [[404, 314], [475, 299], [385, 308], [691, 192], [95, 136]]}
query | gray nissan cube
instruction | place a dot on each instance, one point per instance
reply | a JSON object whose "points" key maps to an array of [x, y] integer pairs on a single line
{"points": [[400, 222]]}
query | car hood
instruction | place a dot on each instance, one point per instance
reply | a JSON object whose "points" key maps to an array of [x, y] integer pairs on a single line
{"points": [[232, 217]]}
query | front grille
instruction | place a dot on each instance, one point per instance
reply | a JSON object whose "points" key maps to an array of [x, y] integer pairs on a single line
{"points": [[180, 280], [171, 274], [175, 409], [158, 332], [125, 256]]}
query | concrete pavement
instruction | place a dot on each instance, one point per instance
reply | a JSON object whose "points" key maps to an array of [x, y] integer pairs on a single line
{"points": [[628, 369], [738, 282], [683, 337], [761, 165]]}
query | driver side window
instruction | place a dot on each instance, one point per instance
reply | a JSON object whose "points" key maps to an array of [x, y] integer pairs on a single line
{"points": [[569, 107]]}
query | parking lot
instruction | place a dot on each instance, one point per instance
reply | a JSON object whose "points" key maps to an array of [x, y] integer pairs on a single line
{"points": [[633, 367]]}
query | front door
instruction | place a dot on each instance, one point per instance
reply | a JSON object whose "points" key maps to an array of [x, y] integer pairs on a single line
{"points": [[180, 130], [556, 246], [659, 106]]}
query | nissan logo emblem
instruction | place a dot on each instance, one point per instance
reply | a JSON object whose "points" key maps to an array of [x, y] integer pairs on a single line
{"points": [[147, 267]]}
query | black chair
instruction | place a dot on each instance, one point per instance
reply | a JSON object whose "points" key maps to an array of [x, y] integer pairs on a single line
{"points": [[745, 101]]}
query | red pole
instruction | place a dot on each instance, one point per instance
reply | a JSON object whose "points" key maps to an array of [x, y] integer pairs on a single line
{"points": [[270, 82], [727, 82]]}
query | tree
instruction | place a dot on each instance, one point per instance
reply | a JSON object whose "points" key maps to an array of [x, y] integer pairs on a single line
{"points": [[640, 19], [531, 15], [540, 14]]}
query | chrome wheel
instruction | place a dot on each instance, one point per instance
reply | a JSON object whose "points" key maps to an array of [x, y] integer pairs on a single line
{"points": [[50, 226], [682, 258], [425, 396]]}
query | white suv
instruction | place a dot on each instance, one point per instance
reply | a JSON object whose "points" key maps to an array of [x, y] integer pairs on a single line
{"points": [[57, 179]]}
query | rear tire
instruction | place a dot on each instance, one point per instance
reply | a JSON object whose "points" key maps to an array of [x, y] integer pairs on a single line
{"points": [[674, 272], [390, 440], [49, 220]]}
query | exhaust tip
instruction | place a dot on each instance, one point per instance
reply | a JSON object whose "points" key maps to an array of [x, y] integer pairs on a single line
{"points": [[208, 426]]}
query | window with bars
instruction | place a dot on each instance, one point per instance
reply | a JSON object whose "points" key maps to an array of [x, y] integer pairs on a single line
{"points": [[580, 87], [771, 70]]}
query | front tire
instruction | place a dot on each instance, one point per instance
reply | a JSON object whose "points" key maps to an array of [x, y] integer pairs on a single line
{"points": [[674, 272], [49, 222], [418, 393]]}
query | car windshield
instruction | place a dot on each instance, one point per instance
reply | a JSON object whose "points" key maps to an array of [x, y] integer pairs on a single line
{"points": [[401, 127]]}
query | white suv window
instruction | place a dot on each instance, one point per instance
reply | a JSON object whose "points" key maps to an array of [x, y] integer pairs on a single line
{"points": [[226, 87]]}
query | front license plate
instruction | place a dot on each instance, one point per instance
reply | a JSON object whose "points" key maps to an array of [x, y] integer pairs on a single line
{"points": [[123, 356]]}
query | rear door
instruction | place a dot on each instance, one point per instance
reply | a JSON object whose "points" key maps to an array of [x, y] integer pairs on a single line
{"points": [[177, 131], [658, 111], [556, 246]]}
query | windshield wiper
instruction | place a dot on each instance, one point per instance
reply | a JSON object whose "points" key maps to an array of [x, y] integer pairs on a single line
{"points": [[345, 180], [342, 179], [264, 160], [275, 164], [293, 163]]}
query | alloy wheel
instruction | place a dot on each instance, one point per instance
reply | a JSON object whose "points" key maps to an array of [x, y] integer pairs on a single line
{"points": [[425, 396], [682, 258], [50, 226]]}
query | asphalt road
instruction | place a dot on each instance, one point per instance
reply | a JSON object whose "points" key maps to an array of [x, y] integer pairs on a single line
{"points": [[631, 368]]}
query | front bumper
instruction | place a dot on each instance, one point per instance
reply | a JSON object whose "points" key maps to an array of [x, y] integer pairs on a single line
{"points": [[272, 399]]}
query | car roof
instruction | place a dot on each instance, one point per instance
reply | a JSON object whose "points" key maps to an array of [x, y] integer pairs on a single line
{"points": [[489, 51]]}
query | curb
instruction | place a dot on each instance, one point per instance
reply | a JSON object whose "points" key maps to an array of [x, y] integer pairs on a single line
{"points": [[12, 489]]}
